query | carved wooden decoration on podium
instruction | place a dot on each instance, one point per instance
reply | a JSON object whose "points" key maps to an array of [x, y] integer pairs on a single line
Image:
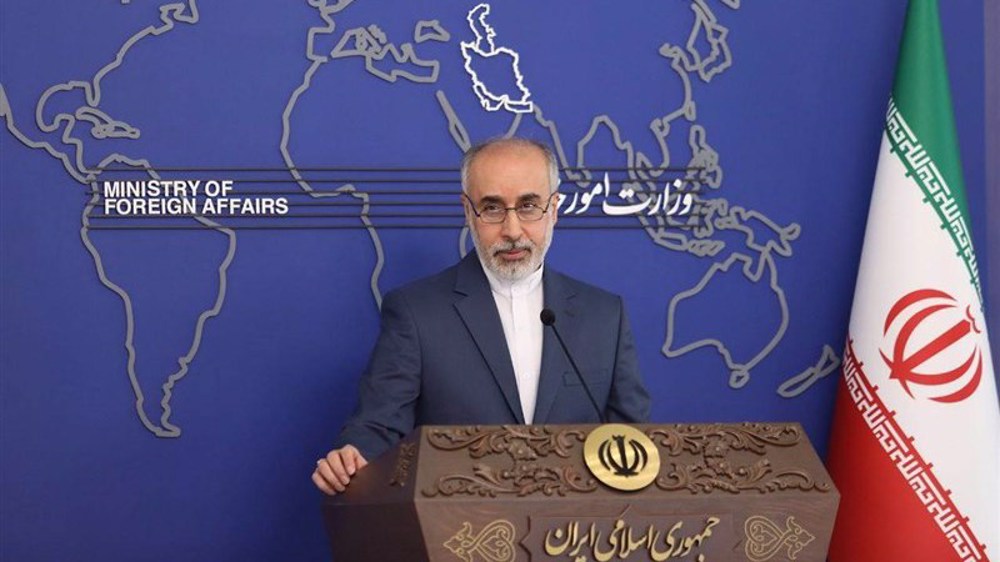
{"points": [[710, 492]]}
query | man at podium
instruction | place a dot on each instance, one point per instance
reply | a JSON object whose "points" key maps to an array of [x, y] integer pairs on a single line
{"points": [[467, 346]]}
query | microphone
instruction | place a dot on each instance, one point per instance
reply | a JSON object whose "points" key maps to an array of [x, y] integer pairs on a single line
{"points": [[549, 319]]}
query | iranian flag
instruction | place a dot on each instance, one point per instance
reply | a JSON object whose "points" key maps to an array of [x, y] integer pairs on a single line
{"points": [[915, 449]]}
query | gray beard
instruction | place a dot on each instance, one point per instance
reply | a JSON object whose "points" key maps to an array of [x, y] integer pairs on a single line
{"points": [[512, 271]]}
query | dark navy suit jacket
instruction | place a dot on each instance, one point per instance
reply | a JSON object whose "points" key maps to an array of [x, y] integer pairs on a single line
{"points": [[442, 358]]}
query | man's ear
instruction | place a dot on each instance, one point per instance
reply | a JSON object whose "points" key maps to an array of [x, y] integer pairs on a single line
{"points": [[466, 208], [555, 207]]}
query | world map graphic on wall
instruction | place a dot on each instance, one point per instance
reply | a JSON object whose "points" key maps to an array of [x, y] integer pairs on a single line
{"points": [[74, 125]]}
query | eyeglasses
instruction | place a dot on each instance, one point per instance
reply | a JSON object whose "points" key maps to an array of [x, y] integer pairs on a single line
{"points": [[495, 213]]}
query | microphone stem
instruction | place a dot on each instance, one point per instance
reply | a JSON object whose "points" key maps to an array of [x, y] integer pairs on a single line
{"points": [[579, 374]]}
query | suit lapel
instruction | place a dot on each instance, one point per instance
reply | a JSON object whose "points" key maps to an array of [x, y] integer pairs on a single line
{"points": [[559, 299], [479, 313]]}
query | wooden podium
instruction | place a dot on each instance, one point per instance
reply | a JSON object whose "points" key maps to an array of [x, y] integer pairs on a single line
{"points": [[697, 492]]}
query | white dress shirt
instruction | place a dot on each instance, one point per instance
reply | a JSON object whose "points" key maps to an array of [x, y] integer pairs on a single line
{"points": [[520, 304]]}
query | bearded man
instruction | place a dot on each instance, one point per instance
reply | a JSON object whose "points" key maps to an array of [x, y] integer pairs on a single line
{"points": [[466, 346]]}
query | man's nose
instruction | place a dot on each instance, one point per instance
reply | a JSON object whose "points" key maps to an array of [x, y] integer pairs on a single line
{"points": [[511, 227]]}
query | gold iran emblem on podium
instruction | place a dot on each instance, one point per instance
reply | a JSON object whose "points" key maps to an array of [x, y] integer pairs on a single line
{"points": [[621, 457]]}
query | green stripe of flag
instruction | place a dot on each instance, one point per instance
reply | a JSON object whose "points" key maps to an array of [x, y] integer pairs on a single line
{"points": [[922, 95], [922, 169]]}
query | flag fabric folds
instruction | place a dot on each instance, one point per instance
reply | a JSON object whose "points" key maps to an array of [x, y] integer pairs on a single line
{"points": [[915, 448]]}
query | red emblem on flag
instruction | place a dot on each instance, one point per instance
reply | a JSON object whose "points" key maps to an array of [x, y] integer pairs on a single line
{"points": [[936, 316]]}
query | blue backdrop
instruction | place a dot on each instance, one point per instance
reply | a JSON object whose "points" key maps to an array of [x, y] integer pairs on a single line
{"points": [[165, 393]]}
